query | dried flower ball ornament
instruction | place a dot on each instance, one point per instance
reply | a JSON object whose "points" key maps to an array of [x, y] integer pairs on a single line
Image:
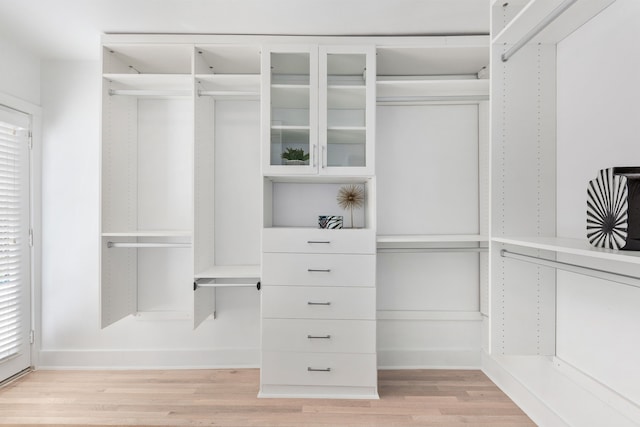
{"points": [[351, 197]]}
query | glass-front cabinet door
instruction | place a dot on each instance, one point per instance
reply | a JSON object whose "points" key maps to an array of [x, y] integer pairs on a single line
{"points": [[290, 110], [347, 110], [318, 110]]}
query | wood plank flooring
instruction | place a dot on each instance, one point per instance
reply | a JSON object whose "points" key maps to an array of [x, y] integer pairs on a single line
{"points": [[444, 398]]}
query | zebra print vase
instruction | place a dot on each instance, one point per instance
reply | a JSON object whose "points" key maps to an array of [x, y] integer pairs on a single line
{"points": [[330, 221], [613, 209]]}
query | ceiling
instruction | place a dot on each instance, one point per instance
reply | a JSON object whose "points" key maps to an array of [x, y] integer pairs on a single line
{"points": [[71, 29]]}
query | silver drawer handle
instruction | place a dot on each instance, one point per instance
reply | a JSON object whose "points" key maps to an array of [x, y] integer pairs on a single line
{"points": [[318, 303], [311, 242], [319, 270], [319, 337], [310, 369]]}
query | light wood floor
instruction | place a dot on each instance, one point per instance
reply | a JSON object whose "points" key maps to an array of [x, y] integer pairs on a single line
{"points": [[443, 398]]}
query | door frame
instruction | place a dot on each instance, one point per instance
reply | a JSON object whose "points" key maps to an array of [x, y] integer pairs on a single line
{"points": [[35, 216]]}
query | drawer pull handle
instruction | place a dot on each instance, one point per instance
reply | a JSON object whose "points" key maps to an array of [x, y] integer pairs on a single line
{"points": [[319, 337], [311, 242], [319, 270], [310, 369], [318, 303]]}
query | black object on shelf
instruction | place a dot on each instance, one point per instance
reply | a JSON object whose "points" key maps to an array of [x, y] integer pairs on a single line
{"points": [[613, 209]]}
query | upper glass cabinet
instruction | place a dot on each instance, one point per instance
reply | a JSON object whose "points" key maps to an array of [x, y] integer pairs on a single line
{"points": [[318, 110]]}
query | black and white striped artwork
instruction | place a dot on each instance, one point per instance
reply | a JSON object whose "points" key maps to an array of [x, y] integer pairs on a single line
{"points": [[330, 221], [613, 207]]}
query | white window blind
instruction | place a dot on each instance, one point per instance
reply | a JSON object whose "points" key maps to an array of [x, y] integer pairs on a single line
{"points": [[14, 128]]}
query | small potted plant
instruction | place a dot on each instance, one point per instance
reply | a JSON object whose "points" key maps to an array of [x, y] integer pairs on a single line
{"points": [[295, 156]]}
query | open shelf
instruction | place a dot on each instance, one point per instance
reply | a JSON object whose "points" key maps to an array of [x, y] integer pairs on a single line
{"points": [[431, 238], [441, 56], [537, 11], [477, 89], [220, 59], [229, 85], [146, 58], [570, 246], [150, 233], [230, 272], [443, 242], [165, 82]]}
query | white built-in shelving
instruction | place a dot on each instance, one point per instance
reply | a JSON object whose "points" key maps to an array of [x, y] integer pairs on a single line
{"points": [[541, 280]]}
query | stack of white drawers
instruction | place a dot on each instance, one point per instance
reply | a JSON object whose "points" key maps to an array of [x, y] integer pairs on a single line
{"points": [[318, 313]]}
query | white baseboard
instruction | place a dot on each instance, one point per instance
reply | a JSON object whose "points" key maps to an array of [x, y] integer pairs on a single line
{"points": [[149, 359], [429, 359], [239, 358]]}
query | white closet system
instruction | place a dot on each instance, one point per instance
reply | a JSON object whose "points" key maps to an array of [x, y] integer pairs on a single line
{"points": [[197, 195]]}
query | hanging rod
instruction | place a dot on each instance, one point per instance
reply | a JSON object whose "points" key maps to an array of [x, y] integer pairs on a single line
{"points": [[624, 279], [422, 250], [537, 29], [147, 245], [197, 284]]}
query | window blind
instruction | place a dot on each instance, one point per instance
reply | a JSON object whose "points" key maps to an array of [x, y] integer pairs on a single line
{"points": [[14, 128]]}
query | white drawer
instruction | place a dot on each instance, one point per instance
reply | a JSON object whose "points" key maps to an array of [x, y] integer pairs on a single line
{"points": [[310, 240], [322, 369], [318, 269], [298, 302], [322, 336]]}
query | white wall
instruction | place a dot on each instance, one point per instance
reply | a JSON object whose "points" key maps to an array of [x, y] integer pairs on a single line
{"points": [[71, 335], [19, 73], [598, 127]]}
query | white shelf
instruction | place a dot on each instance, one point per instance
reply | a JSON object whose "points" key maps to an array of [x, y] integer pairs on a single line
{"points": [[230, 272], [458, 55], [571, 246], [432, 88], [290, 127], [147, 58], [150, 233], [545, 384], [229, 82], [431, 238], [227, 59], [537, 10], [151, 82], [431, 243]]}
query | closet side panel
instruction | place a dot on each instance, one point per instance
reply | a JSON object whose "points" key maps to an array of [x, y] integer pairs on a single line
{"points": [[523, 198], [238, 183]]}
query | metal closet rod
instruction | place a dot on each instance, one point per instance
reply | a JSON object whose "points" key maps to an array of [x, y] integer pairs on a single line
{"points": [[147, 245], [555, 13], [624, 279]]}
